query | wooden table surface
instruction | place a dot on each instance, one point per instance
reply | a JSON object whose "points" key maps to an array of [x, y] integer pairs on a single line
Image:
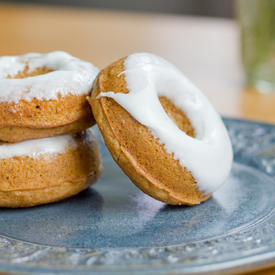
{"points": [[204, 49]]}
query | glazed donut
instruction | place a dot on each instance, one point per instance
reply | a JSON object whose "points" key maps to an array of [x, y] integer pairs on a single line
{"points": [[35, 172], [43, 95], [161, 130]]}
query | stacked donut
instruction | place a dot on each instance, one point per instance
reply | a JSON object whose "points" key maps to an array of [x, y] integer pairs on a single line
{"points": [[159, 128], [46, 153]]}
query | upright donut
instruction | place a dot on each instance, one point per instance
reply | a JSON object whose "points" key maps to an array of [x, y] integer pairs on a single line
{"points": [[161, 130], [43, 95]]}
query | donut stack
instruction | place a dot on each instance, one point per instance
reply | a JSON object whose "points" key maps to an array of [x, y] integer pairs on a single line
{"points": [[159, 128], [46, 153]]}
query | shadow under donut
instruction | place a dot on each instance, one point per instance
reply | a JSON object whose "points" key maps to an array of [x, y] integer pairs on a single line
{"points": [[64, 223]]}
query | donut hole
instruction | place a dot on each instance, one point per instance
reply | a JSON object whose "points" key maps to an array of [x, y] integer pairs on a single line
{"points": [[177, 116], [26, 73]]}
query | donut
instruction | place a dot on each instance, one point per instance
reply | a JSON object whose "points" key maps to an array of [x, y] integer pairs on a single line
{"points": [[44, 95], [161, 130], [41, 171]]}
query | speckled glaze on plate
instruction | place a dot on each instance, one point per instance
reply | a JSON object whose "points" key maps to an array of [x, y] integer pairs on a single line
{"points": [[113, 228]]}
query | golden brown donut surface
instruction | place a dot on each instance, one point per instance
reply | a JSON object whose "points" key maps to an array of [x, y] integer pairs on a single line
{"points": [[134, 148], [44, 177], [42, 117]]}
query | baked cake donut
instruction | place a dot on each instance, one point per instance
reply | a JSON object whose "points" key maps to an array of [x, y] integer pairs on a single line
{"points": [[35, 172], [161, 130], [43, 95]]}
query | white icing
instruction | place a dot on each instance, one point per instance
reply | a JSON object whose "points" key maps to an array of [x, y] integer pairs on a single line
{"points": [[70, 76], [209, 155], [37, 147]]}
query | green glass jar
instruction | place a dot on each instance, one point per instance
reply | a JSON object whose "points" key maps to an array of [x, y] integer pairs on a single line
{"points": [[257, 26]]}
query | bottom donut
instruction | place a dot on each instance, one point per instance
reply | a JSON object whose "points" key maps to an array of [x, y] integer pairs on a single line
{"points": [[46, 170]]}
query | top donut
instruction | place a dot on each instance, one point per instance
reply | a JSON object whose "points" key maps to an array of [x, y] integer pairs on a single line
{"points": [[43, 95], [161, 130]]}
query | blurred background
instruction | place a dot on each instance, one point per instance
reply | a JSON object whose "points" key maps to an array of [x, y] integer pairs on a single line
{"points": [[215, 8], [200, 37]]}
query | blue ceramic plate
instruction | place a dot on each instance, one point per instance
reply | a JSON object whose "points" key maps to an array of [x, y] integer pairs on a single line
{"points": [[113, 228]]}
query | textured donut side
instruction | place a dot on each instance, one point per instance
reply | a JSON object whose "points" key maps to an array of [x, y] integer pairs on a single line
{"points": [[44, 113], [20, 133]]}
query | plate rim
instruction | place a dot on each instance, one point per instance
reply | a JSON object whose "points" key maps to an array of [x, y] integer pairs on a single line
{"points": [[253, 255]]}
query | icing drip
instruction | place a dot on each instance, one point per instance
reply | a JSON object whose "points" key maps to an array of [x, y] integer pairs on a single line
{"points": [[70, 76], [37, 147], [209, 155]]}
